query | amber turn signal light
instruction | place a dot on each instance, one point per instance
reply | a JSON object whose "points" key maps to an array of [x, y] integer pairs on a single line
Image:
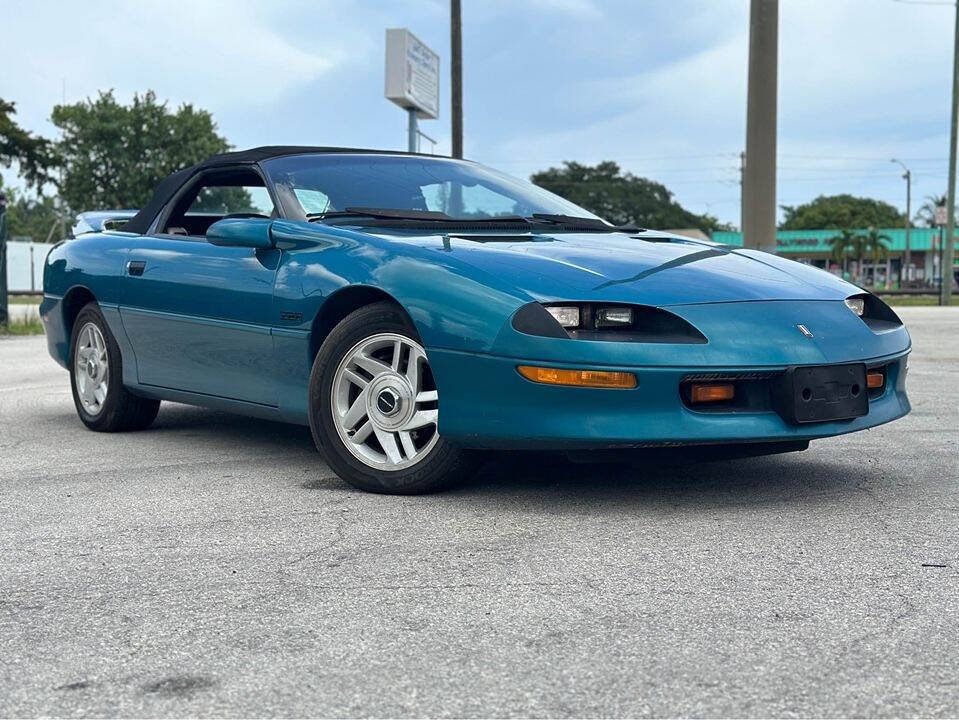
{"points": [[875, 379], [711, 393], [578, 378]]}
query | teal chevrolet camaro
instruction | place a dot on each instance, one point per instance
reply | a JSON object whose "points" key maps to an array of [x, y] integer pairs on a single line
{"points": [[415, 310]]}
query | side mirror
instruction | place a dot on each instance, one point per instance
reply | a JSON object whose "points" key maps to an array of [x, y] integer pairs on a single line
{"points": [[241, 232]]}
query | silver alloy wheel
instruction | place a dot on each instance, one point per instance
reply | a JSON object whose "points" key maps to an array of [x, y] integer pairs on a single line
{"points": [[384, 402], [91, 368]]}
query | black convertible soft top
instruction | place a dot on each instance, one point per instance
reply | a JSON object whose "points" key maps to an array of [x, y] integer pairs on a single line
{"points": [[169, 186]]}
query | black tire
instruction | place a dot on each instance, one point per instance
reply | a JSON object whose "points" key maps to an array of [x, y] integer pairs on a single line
{"points": [[442, 466], [121, 410]]}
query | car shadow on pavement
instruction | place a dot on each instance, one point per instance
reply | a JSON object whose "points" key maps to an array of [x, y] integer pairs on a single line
{"points": [[758, 480], [552, 475], [250, 432]]}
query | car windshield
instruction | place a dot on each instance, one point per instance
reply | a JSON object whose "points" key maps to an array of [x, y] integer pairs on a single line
{"points": [[322, 185]]}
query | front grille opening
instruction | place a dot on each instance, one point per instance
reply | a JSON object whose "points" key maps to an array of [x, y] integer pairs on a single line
{"points": [[752, 392]]}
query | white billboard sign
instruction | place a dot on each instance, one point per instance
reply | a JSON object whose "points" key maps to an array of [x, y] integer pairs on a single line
{"points": [[412, 73]]}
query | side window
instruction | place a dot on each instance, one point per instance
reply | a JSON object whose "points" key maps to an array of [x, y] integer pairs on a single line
{"points": [[225, 200], [218, 195]]}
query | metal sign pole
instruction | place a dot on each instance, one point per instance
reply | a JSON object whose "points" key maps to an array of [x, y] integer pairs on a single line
{"points": [[456, 76], [941, 250], [4, 315], [414, 140]]}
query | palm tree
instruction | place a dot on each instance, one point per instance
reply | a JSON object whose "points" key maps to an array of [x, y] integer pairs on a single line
{"points": [[926, 214], [848, 244], [874, 244], [842, 247]]}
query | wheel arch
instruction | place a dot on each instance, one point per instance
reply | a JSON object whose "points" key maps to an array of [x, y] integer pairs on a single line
{"points": [[75, 299], [343, 302]]}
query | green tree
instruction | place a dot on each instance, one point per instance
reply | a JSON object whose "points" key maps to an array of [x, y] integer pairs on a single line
{"points": [[33, 153], [33, 217], [621, 197], [840, 211], [114, 155]]}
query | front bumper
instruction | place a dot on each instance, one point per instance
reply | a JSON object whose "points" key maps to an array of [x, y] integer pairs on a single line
{"points": [[485, 403]]}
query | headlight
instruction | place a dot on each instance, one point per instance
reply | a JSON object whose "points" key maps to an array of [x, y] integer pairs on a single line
{"points": [[878, 316], [857, 305], [566, 315], [609, 323], [614, 316]]}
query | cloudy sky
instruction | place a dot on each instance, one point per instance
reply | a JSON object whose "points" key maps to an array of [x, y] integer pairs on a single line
{"points": [[656, 85]]}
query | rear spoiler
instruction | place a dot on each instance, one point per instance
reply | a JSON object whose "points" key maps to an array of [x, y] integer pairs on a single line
{"points": [[101, 220]]}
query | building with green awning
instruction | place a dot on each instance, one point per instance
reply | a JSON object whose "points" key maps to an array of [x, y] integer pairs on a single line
{"points": [[812, 247]]}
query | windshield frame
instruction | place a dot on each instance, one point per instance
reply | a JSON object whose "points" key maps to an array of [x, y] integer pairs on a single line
{"points": [[290, 207]]}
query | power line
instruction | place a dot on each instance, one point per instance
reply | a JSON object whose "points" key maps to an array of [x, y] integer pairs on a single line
{"points": [[923, 2], [863, 158], [815, 162], [617, 159]]}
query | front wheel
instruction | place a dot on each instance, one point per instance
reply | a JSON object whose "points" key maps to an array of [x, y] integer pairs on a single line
{"points": [[374, 407]]}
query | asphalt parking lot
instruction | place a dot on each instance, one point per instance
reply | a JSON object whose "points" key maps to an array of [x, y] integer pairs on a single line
{"points": [[213, 565]]}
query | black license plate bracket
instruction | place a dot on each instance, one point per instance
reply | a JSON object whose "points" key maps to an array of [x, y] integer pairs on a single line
{"points": [[820, 393]]}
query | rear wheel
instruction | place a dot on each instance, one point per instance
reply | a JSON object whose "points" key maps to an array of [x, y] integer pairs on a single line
{"points": [[96, 378], [374, 407]]}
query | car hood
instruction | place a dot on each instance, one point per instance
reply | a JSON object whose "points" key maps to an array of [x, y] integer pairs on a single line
{"points": [[656, 269]]}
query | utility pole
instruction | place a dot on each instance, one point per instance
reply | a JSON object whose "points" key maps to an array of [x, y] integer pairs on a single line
{"points": [[4, 316], [742, 196], [907, 259], [759, 178], [945, 291], [456, 71]]}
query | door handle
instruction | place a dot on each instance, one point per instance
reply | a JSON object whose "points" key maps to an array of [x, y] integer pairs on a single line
{"points": [[136, 268]]}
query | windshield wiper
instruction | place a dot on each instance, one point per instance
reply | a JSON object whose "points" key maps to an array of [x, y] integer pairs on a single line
{"points": [[434, 216], [382, 214], [431, 216], [583, 222]]}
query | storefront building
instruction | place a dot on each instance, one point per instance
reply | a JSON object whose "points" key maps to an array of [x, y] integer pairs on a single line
{"points": [[812, 247]]}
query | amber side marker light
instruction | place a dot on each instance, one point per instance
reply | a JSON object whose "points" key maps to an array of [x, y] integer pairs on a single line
{"points": [[578, 378], [711, 393], [875, 379]]}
